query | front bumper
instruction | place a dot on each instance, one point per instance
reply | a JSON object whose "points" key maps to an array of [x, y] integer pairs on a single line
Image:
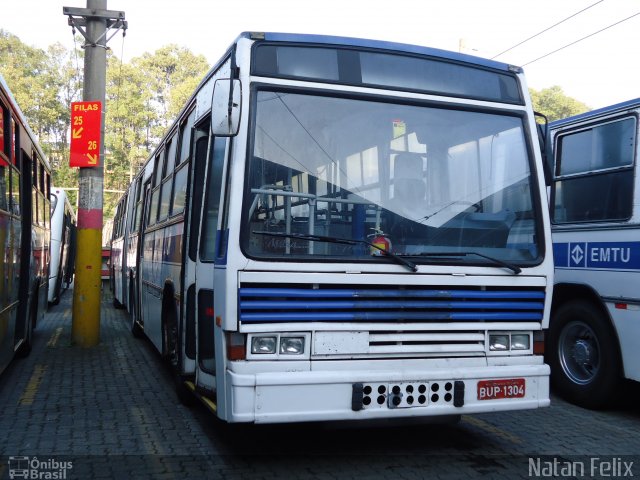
{"points": [[278, 397]]}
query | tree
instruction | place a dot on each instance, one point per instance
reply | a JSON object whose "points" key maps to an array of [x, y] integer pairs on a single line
{"points": [[142, 100], [166, 71], [44, 83], [553, 103]]}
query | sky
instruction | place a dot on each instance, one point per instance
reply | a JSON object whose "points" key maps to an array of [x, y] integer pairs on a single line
{"points": [[601, 70]]}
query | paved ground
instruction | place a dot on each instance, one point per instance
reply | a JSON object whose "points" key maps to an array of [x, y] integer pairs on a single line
{"points": [[111, 412]]}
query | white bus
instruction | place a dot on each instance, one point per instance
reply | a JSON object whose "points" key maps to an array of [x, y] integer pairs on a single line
{"points": [[63, 234], [595, 325], [344, 229]]}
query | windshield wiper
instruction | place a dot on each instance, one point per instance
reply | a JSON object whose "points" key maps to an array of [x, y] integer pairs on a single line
{"points": [[495, 261], [346, 241]]}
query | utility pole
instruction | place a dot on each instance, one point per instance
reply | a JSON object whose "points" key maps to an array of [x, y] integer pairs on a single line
{"points": [[93, 22]]}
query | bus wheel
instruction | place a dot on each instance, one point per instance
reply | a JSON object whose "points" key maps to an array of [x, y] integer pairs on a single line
{"points": [[170, 336], [583, 355]]}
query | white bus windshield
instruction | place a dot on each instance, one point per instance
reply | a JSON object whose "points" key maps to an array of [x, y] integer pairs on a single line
{"points": [[427, 179]]}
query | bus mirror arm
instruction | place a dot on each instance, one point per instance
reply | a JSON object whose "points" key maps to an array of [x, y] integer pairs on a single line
{"points": [[226, 106], [545, 148]]}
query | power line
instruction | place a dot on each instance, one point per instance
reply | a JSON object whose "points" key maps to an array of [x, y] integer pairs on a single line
{"points": [[583, 38], [547, 29]]}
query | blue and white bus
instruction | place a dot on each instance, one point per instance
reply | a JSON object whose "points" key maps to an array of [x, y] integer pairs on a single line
{"points": [[595, 324], [344, 229]]}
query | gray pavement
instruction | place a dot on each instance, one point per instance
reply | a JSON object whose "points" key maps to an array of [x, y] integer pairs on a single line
{"points": [[111, 412]]}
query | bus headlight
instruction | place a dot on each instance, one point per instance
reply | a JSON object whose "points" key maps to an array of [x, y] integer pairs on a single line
{"points": [[520, 341], [509, 343], [263, 345], [292, 345], [499, 342]]}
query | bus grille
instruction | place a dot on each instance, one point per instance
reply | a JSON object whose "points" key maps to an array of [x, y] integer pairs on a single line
{"points": [[389, 303]]}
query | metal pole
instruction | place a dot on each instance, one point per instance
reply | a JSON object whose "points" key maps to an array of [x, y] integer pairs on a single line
{"points": [[85, 328], [86, 291]]}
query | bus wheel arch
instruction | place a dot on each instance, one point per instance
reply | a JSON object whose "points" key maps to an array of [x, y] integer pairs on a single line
{"points": [[580, 334]]}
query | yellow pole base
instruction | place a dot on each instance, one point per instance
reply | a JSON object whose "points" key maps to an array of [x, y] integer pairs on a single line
{"points": [[85, 326]]}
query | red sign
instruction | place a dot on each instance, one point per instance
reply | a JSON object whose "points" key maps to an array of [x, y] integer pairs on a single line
{"points": [[86, 120]]}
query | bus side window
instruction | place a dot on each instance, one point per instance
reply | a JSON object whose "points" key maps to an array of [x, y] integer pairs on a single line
{"points": [[179, 196], [599, 159], [14, 206], [34, 171], [5, 184], [153, 210], [212, 200], [4, 191], [137, 217], [41, 177], [185, 140], [3, 129], [34, 207], [167, 183]]}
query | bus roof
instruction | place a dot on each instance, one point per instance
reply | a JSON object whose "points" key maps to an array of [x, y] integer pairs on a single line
{"points": [[618, 107], [380, 45]]}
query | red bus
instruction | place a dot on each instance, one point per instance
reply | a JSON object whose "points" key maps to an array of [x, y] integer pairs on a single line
{"points": [[25, 217]]}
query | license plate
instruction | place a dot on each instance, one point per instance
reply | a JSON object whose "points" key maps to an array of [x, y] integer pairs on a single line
{"points": [[508, 388]]}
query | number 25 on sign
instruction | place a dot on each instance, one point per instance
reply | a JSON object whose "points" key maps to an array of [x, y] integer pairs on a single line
{"points": [[86, 122]]}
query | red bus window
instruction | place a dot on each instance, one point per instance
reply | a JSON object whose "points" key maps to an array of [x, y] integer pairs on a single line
{"points": [[2, 129], [13, 141]]}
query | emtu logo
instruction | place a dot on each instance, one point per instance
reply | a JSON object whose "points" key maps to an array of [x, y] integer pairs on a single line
{"points": [[577, 254]]}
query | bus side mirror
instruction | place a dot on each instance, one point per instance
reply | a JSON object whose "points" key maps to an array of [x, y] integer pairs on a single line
{"points": [[226, 106]]}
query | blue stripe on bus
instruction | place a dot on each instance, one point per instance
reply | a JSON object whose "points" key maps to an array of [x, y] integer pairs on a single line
{"points": [[348, 293], [379, 305], [381, 316]]}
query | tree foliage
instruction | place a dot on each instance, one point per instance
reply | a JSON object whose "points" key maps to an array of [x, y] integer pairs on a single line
{"points": [[142, 99], [553, 103]]}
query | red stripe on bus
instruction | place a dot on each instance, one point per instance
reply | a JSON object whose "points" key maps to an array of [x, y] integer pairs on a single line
{"points": [[91, 219]]}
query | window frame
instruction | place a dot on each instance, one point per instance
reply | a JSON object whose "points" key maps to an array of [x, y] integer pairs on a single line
{"points": [[592, 173]]}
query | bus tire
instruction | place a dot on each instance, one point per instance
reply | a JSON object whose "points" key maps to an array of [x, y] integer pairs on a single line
{"points": [[170, 336], [582, 352], [136, 329]]}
